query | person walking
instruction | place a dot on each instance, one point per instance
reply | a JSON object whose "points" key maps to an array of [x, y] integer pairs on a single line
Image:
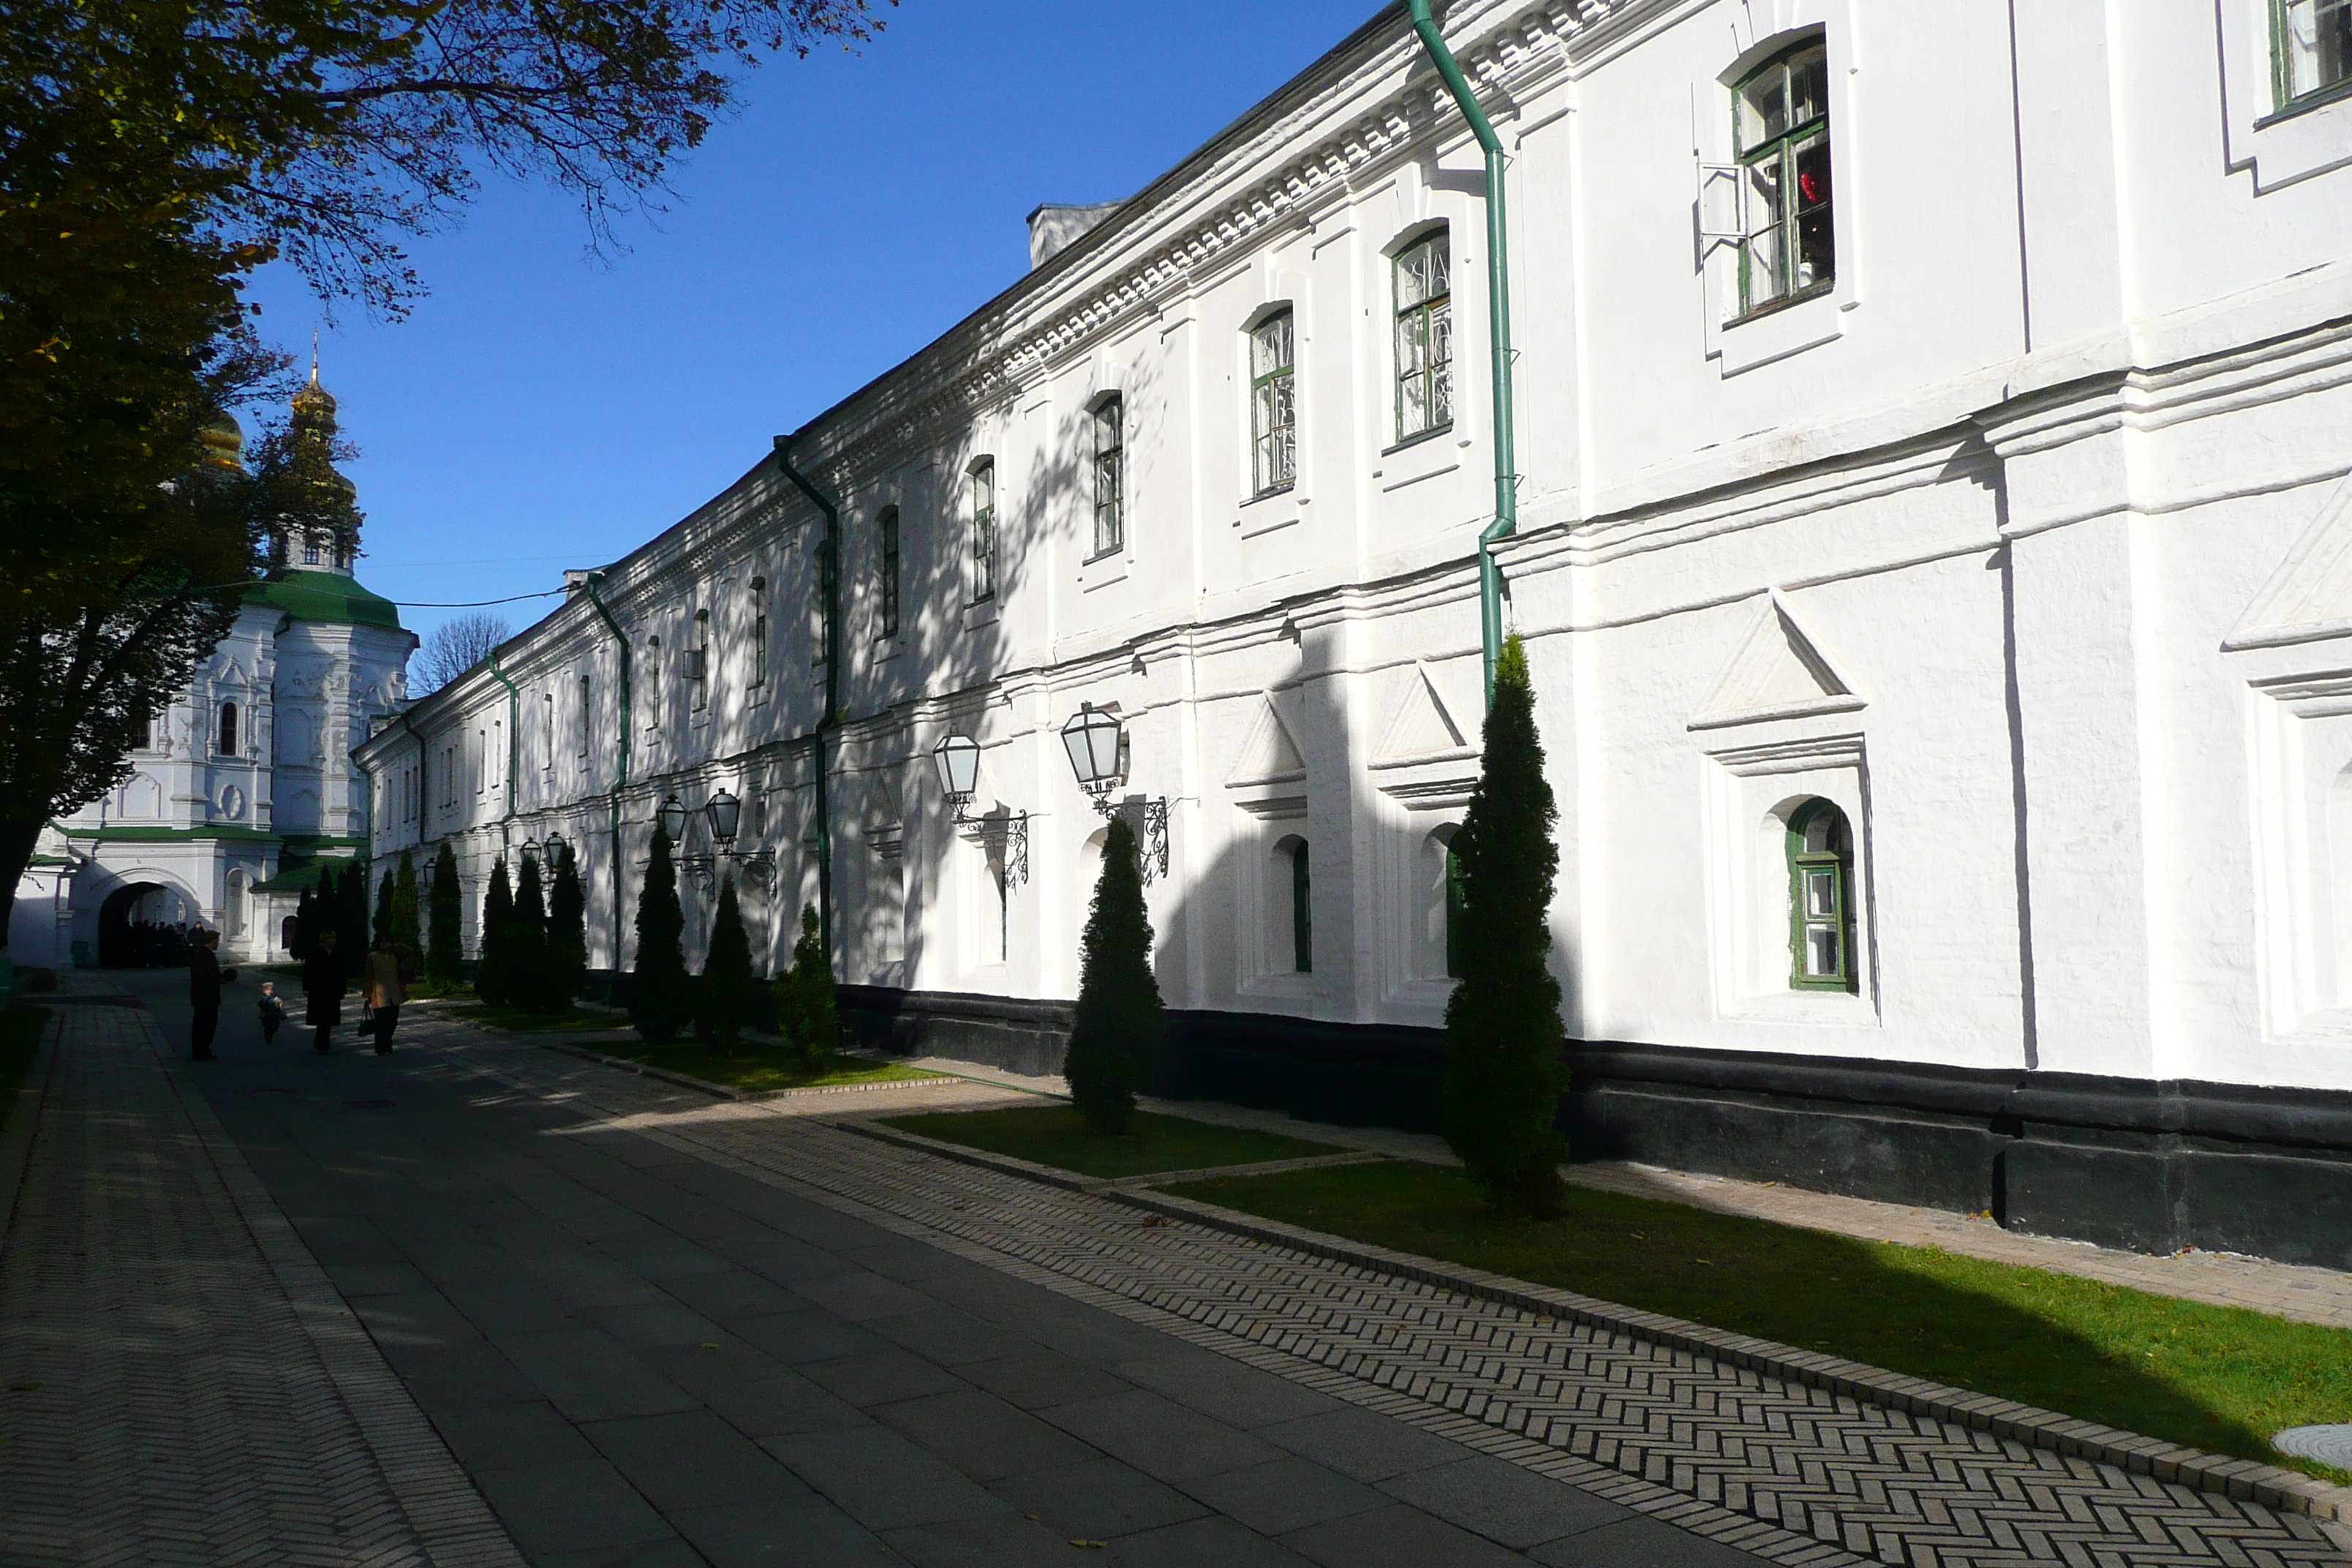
{"points": [[206, 978], [322, 988], [381, 989], [273, 1012]]}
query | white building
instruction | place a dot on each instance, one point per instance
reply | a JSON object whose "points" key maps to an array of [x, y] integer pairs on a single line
{"points": [[246, 785], [1936, 568]]}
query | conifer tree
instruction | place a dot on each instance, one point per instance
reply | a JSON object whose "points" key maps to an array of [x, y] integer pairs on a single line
{"points": [[1504, 1037], [493, 972], [352, 917], [807, 1012], [722, 997], [445, 952], [661, 997], [405, 935], [305, 923], [567, 933], [384, 896], [528, 980], [1115, 1037]]}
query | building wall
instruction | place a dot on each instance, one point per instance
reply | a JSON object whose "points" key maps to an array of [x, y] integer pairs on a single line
{"points": [[2023, 541]]}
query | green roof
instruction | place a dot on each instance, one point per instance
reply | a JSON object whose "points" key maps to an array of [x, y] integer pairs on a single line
{"points": [[326, 596], [299, 875]]}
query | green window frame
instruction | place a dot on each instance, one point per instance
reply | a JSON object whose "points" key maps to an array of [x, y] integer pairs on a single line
{"points": [[820, 602], [984, 530], [697, 663], [1457, 901], [2311, 51], [1111, 461], [1424, 336], [1274, 404], [887, 565], [1820, 899], [1302, 910], [758, 674], [1781, 130]]}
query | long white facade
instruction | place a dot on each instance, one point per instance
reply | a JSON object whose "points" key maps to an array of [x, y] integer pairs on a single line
{"points": [[1980, 471]]}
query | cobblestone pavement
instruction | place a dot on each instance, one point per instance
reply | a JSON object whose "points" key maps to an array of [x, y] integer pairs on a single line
{"points": [[179, 1383], [2225, 1280], [1789, 1474]]}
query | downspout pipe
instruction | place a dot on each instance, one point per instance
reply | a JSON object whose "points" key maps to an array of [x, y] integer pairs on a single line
{"points": [[1498, 312], [628, 685], [829, 588], [514, 756]]}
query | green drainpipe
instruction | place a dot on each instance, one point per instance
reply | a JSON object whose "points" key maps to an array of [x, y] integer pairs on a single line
{"points": [[829, 588], [628, 683], [514, 758], [1498, 309]]}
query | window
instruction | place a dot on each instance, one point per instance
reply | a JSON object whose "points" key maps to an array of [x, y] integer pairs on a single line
{"points": [[582, 736], [821, 601], [2311, 47], [1820, 899], [225, 741], [1110, 451], [547, 730], [758, 632], [697, 662], [1457, 900], [1274, 404], [1302, 911], [310, 550], [652, 683], [1424, 337], [984, 530], [1780, 118], [888, 568]]}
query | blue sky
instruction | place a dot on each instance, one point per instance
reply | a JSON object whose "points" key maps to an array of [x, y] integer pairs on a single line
{"points": [[542, 409]]}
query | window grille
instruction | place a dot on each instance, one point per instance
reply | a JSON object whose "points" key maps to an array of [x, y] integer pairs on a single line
{"points": [[1424, 337], [1110, 451], [1780, 121], [1274, 403]]}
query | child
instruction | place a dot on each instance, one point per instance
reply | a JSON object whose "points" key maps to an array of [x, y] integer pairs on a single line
{"points": [[273, 1012]]}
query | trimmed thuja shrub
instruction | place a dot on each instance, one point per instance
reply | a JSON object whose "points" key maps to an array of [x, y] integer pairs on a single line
{"points": [[351, 918], [567, 933], [305, 923], [1504, 1075], [528, 980], [494, 977], [722, 997], [384, 896], [1116, 1036], [445, 955], [404, 933], [661, 998], [807, 1013]]}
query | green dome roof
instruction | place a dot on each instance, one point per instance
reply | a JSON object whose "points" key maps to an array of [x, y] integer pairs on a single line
{"points": [[326, 596]]}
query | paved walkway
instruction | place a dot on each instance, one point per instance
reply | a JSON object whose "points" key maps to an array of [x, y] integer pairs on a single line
{"points": [[179, 1383], [655, 1329]]}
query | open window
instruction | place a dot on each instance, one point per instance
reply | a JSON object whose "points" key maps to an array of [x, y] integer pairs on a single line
{"points": [[2311, 52], [1780, 196]]}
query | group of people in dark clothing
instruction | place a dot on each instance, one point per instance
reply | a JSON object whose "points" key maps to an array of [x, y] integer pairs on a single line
{"points": [[324, 986], [153, 945]]}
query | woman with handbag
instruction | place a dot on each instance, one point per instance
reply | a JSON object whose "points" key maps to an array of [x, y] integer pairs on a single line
{"points": [[381, 989]]}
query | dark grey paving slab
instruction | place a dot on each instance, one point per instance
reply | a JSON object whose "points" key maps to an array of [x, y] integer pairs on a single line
{"points": [[1639, 1544], [879, 1376], [572, 1506], [882, 1480], [1098, 1499], [1284, 1495], [1036, 1378], [1503, 1502], [1397, 1537], [672, 1553], [1202, 1540], [949, 1336], [785, 1532], [1004, 1542], [735, 1293], [592, 1376], [760, 1397], [1224, 1388], [860, 1294], [1362, 1445], [984, 1436], [513, 1437], [1160, 1436], [799, 1339], [691, 1459]]}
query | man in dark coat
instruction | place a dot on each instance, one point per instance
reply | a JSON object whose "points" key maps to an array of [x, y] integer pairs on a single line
{"points": [[323, 986], [205, 980]]}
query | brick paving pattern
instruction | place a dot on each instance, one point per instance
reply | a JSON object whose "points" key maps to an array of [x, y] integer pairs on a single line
{"points": [[178, 1381], [1791, 1474]]}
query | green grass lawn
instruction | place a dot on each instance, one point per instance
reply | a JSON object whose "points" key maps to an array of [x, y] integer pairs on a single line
{"points": [[20, 1038], [760, 1069], [2219, 1378], [571, 1020], [1058, 1135]]}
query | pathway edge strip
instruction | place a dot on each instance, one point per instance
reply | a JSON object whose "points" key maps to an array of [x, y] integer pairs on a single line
{"points": [[727, 1091], [24, 1115], [2245, 1479]]}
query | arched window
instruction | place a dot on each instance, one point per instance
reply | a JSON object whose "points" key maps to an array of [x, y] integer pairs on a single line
{"points": [[1820, 899], [984, 530], [225, 740], [1455, 902], [1110, 458], [1274, 404], [1424, 336]]}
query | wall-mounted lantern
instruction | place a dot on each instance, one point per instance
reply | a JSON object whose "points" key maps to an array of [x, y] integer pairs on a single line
{"points": [[1096, 742], [724, 813], [957, 758], [672, 818]]}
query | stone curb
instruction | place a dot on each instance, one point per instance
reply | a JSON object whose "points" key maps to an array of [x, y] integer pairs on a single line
{"points": [[724, 1091], [2244, 1479], [16, 1141]]}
